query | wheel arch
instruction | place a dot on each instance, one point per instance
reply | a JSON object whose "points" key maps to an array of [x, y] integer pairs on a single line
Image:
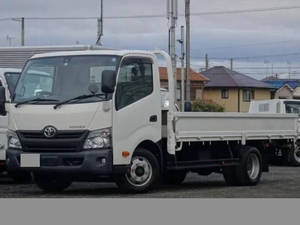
{"points": [[154, 148]]}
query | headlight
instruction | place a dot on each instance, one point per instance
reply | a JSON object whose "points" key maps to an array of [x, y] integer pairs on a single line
{"points": [[13, 140], [98, 139]]}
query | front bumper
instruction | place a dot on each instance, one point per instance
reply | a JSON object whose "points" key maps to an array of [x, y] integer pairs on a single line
{"points": [[83, 165]]}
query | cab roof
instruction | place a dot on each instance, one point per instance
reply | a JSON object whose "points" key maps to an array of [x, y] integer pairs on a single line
{"points": [[92, 52]]}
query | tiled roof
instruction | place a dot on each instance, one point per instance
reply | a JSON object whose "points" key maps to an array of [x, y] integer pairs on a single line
{"points": [[281, 82], [220, 76], [194, 76]]}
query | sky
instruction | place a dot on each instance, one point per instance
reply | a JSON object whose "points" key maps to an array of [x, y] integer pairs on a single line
{"points": [[220, 36]]}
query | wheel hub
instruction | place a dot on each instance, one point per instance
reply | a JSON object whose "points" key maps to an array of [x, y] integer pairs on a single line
{"points": [[253, 166], [140, 172]]}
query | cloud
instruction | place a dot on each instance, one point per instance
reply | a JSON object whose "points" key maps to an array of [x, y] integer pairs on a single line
{"points": [[207, 32]]}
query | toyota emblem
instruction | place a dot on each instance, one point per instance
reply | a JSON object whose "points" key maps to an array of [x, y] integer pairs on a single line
{"points": [[50, 131]]}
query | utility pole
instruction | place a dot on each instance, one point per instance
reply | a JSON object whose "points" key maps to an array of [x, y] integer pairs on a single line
{"points": [[22, 21], [188, 50], [181, 41], [231, 64], [22, 31], [172, 15], [100, 25], [206, 62]]}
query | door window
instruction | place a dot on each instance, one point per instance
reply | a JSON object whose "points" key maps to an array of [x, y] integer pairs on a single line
{"points": [[11, 80], [135, 81]]}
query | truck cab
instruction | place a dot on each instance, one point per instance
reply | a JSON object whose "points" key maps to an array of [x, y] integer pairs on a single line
{"points": [[69, 107], [8, 80]]}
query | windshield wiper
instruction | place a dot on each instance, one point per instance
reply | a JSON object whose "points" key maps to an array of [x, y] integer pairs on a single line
{"points": [[35, 100], [78, 98]]}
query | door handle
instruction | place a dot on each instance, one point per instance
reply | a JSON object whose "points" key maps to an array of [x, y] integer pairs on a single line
{"points": [[153, 118]]}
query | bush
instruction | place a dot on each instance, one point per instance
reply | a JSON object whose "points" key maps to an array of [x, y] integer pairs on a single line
{"points": [[206, 106]]}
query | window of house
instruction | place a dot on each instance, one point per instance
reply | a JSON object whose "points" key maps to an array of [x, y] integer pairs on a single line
{"points": [[135, 81], [248, 95], [225, 93]]}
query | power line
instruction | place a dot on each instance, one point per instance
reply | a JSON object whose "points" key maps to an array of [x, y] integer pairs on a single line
{"points": [[239, 11], [245, 11], [266, 56], [248, 57], [249, 45], [5, 19]]}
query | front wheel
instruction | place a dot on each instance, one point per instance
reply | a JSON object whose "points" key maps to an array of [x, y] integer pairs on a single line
{"points": [[143, 174], [51, 183]]}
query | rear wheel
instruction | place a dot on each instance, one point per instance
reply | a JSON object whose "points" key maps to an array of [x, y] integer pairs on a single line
{"points": [[143, 174], [51, 183], [174, 177], [294, 156], [248, 172]]}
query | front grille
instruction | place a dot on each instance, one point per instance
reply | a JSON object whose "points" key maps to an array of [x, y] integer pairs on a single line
{"points": [[64, 141]]}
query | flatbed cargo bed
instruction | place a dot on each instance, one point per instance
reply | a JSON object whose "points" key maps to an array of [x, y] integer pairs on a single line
{"points": [[206, 126]]}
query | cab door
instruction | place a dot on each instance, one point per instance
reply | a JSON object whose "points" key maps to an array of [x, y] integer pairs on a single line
{"points": [[136, 111]]}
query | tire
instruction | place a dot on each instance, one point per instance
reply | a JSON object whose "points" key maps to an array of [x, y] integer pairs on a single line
{"points": [[248, 173], [294, 156], [51, 183], [143, 175], [250, 169], [174, 177], [21, 177]]}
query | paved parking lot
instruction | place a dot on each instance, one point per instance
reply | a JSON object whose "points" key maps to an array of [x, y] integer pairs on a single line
{"points": [[281, 182]]}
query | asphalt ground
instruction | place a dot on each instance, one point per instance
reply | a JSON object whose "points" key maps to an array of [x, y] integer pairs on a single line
{"points": [[280, 182]]}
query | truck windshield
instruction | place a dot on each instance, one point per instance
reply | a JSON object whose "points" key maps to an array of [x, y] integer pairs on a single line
{"points": [[61, 78], [293, 107]]}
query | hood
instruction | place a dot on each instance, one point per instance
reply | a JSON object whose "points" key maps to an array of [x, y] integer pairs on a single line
{"points": [[87, 116]]}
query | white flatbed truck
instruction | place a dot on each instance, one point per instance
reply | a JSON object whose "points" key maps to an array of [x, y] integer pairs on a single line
{"points": [[8, 79], [281, 153], [98, 117]]}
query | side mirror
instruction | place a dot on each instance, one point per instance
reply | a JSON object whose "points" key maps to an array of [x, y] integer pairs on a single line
{"points": [[188, 107], [108, 81], [2, 101]]}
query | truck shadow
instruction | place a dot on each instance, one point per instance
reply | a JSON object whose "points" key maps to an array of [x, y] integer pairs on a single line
{"points": [[163, 191]]}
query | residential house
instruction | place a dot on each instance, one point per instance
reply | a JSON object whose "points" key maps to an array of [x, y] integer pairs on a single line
{"points": [[197, 82], [233, 90], [284, 88]]}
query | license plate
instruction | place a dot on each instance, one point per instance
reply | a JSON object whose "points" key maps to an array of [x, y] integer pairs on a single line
{"points": [[30, 160]]}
